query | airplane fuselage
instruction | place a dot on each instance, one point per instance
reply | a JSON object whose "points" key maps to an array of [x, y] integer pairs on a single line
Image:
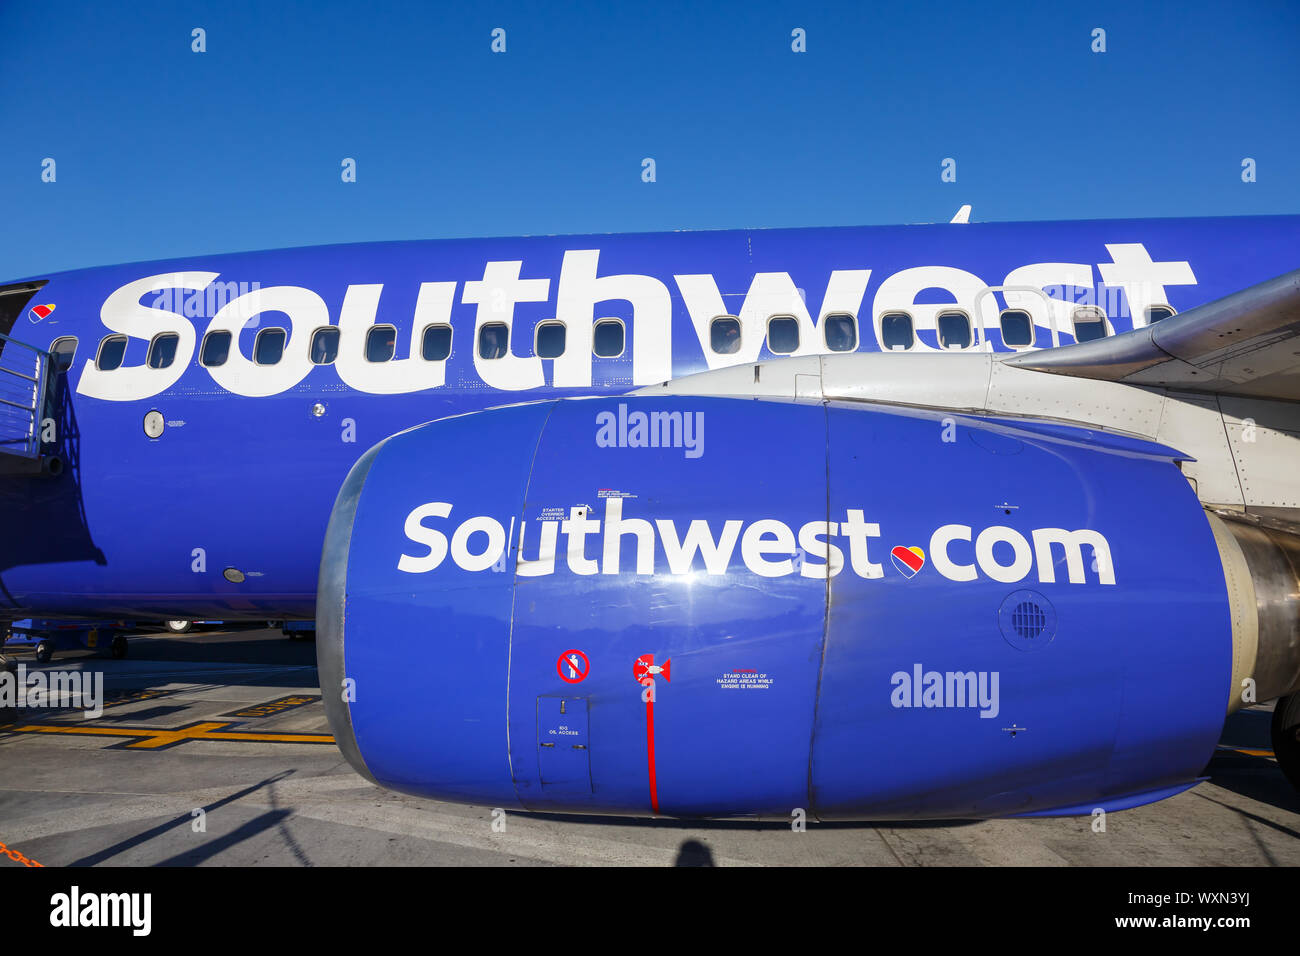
{"points": [[221, 512]]}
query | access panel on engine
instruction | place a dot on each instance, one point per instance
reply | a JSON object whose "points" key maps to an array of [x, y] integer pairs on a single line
{"points": [[636, 586], [563, 752]]}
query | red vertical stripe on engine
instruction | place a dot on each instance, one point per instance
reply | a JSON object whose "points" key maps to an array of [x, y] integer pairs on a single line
{"points": [[650, 747]]}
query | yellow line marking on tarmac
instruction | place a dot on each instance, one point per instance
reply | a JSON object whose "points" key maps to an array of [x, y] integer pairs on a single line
{"points": [[155, 738], [139, 696], [272, 708], [1247, 751]]}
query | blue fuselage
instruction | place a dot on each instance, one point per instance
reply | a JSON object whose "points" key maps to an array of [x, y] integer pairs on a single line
{"points": [[251, 456]]}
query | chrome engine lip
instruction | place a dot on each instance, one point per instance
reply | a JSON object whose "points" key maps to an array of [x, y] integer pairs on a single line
{"points": [[331, 612]]}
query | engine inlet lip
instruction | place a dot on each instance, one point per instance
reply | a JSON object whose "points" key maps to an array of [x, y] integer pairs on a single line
{"points": [[331, 593]]}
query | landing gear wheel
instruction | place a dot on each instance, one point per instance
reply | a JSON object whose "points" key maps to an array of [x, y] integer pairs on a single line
{"points": [[118, 647], [44, 651], [1286, 736], [179, 627]]}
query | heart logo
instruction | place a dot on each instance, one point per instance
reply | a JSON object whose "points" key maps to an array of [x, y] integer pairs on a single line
{"points": [[908, 560], [38, 312]]}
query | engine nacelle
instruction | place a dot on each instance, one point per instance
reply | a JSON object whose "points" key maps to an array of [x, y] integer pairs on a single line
{"points": [[720, 607]]}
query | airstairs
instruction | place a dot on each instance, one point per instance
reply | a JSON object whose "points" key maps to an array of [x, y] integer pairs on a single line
{"points": [[26, 401]]}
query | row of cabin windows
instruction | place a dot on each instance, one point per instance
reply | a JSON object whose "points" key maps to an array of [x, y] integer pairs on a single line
{"points": [[954, 329], [380, 346], [493, 342], [435, 343], [550, 339], [840, 330]]}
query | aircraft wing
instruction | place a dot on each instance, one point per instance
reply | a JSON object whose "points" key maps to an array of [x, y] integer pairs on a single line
{"points": [[1247, 343]]}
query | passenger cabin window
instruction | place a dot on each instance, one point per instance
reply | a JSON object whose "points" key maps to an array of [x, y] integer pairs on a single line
{"points": [[1158, 313], [268, 347], [162, 350], [493, 340], [607, 338], [550, 340], [954, 330], [1017, 328], [724, 335], [896, 331], [215, 349], [435, 346], [112, 349], [325, 346], [1089, 324], [61, 352], [841, 332], [782, 334], [381, 343]]}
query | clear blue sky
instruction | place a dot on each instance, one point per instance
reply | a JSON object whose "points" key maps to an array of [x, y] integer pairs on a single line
{"points": [[164, 152]]}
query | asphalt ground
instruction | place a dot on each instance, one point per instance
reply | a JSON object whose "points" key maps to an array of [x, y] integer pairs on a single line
{"points": [[213, 749]]}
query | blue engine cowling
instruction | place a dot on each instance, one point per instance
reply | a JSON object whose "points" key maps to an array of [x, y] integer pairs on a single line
{"points": [[719, 607]]}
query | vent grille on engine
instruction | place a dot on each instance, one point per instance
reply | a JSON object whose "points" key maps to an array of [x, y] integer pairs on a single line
{"points": [[1027, 620]]}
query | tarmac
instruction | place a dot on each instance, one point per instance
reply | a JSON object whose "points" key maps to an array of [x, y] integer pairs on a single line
{"points": [[213, 749]]}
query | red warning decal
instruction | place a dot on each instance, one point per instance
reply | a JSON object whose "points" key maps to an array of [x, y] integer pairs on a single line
{"points": [[573, 666], [646, 667]]}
